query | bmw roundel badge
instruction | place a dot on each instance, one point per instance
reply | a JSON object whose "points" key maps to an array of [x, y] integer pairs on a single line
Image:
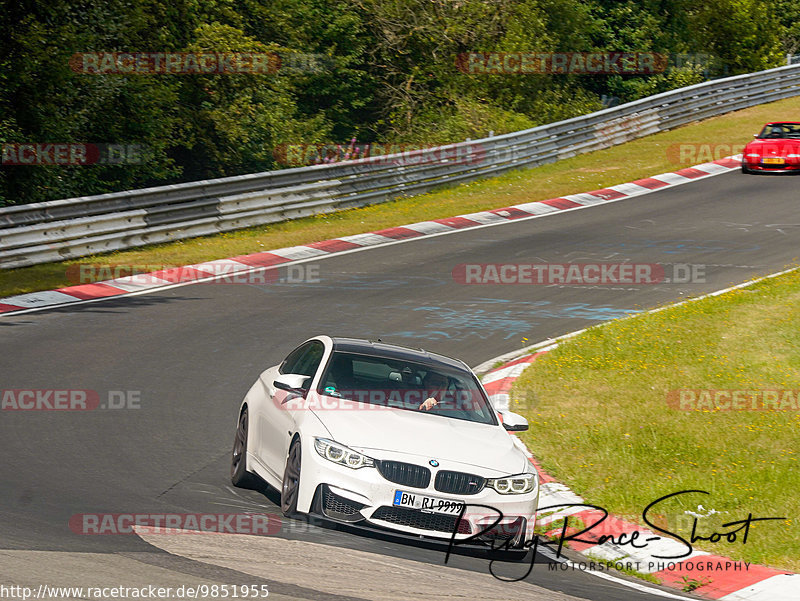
{"points": [[434, 463]]}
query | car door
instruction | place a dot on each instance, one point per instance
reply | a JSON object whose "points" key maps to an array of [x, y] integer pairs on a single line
{"points": [[277, 426]]}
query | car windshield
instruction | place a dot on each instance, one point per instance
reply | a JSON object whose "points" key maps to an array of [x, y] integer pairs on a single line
{"points": [[406, 385], [780, 130]]}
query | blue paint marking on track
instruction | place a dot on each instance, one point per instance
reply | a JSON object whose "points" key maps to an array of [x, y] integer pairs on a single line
{"points": [[461, 319]]}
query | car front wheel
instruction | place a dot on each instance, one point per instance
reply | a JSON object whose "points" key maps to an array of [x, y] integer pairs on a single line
{"points": [[239, 475], [291, 480]]}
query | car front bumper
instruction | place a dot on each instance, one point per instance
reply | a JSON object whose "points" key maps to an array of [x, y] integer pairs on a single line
{"points": [[755, 164], [365, 496]]}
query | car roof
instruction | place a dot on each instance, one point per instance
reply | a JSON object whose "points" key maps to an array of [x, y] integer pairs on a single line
{"points": [[782, 123], [394, 351]]}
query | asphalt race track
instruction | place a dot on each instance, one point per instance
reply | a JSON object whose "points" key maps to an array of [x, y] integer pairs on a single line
{"points": [[190, 353]]}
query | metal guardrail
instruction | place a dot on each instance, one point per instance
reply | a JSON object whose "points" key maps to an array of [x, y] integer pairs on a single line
{"points": [[75, 227]]}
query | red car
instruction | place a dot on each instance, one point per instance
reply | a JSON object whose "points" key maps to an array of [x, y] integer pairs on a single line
{"points": [[776, 148]]}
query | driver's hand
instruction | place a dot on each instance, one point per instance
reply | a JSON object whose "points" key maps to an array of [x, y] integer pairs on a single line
{"points": [[429, 403]]}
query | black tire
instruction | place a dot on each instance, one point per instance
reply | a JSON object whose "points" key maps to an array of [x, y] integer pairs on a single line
{"points": [[745, 169], [291, 480], [239, 475]]}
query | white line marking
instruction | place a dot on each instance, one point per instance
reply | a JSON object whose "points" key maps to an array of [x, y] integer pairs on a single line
{"points": [[298, 252], [674, 179], [38, 300], [781, 587], [214, 266], [368, 239], [134, 283], [485, 217], [430, 228], [535, 208], [585, 198]]}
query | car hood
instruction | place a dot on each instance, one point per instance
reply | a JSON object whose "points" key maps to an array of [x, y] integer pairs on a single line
{"points": [[427, 436], [778, 147]]}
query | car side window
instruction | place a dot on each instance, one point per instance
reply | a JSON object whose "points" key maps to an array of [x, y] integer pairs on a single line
{"points": [[304, 360]]}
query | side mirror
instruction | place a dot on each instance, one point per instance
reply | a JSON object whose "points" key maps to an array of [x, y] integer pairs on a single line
{"points": [[755, 135], [292, 383], [513, 422]]}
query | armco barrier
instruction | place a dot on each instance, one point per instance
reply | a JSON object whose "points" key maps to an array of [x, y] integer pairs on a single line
{"points": [[74, 227]]}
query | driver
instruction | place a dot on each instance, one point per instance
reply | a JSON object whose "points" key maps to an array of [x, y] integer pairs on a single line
{"points": [[435, 384]]}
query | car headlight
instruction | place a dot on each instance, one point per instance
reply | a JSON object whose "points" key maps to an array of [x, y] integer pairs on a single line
{"points": [[514, 485], [753, 154], [333, 451]]}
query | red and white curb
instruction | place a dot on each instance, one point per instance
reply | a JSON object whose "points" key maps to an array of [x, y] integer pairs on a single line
{"points": [[725, 579], [238, 266]]}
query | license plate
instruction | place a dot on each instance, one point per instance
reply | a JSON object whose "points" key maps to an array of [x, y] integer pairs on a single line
{"points": [[773, 161], [425, 503]]}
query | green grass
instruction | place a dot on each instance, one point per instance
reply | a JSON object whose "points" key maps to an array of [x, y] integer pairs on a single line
{"points": [[634, 160], [602, 420], [692, 584]]}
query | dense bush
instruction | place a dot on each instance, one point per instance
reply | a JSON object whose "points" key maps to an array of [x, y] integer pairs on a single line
{"points": [[380, 70]]}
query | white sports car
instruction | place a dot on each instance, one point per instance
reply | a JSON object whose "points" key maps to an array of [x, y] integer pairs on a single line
{"points": [[396, 438]]}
